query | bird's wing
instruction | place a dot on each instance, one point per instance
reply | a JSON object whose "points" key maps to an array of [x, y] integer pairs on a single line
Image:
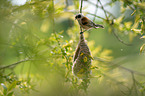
{"points": [[84, 21], [87, 22]]}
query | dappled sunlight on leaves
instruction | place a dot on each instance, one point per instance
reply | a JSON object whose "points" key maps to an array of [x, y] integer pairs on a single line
{"points": [[38, 41]]}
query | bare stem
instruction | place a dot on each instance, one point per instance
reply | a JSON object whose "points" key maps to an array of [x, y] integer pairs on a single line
{"points": [[14, 64], [81, 6], [120, 39], [119, 66], [96, 10], [103, 10]]}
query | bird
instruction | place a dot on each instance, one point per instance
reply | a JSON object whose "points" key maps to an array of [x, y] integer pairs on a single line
{"points": [[86, 23]]}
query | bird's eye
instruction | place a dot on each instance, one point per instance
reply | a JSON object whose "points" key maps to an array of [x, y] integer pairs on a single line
{"points": [[79, 16]]}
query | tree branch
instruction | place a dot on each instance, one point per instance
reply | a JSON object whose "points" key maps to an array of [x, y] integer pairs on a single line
{"points": [[96, 16], [102, 9], [119, 66], [81, 6], [14, 64], [95, 11], [119, 38]]}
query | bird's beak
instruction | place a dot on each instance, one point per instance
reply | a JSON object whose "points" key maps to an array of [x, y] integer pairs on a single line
{"points": [[76, 17]]}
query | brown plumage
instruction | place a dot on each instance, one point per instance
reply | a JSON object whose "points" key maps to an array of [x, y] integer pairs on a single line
{"points": [[86, 23]]}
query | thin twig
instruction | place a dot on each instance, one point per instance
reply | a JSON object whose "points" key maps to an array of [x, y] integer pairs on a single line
{"points": [[134, 83], [103, 10], [120, 39], [119, 66], [66, 2], [135, 72], [53, 23], [108, 3], [97, 16], [81, 12], [93, 18], [95, 11], [81, 6], [14, 64]]}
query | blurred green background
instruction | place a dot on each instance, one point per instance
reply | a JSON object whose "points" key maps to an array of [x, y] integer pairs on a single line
{"points": [[38, 39]]}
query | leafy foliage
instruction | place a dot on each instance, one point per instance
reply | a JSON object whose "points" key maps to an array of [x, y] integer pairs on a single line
{"points": [[38, 41]]}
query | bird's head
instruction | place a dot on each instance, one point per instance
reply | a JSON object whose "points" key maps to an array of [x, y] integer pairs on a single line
{"points": [[79, 16]]}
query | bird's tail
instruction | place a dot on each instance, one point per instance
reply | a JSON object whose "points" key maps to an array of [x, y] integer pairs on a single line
{"points": [[99, 26]]}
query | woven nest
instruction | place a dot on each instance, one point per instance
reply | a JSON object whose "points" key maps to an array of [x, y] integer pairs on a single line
{"points": [[82, 60]]}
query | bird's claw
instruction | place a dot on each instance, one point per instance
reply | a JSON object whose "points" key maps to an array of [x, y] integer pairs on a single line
{"points": [[81, 32]]}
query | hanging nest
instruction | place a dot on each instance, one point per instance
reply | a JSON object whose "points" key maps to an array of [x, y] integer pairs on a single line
{"points": [[82, 60]]}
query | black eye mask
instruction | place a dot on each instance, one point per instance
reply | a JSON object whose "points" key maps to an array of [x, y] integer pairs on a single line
{"points": [[79, 16]]}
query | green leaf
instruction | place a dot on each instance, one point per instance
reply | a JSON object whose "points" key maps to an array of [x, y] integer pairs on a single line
{"points": [[136, 30], [5, 89], [133, 13], [10, 94], [142, 48], [143, 37], [85, 59], [128, 24], [13, 85]]}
